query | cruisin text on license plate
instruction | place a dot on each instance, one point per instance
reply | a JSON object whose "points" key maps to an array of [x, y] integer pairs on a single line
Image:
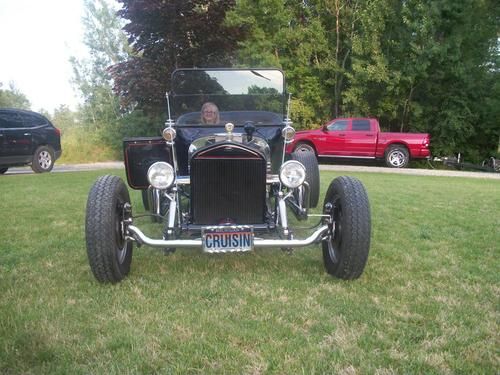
{"points": [[226, 239]]}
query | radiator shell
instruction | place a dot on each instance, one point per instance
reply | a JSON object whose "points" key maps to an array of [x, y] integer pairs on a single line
{"points": [[228, 185]]}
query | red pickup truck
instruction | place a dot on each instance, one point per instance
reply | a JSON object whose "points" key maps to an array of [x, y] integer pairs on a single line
{"points": [[361, 138]]}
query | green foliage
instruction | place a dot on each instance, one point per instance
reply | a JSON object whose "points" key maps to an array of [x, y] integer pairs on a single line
{"points": [[64, 118], [12, 97], [107, 45], [82, 146], [166, 35], [133, 124], [80, 142], [417, 65], [290, 36]]}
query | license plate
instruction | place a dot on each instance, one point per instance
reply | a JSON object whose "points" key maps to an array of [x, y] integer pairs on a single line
{"points": [[227, 239]]}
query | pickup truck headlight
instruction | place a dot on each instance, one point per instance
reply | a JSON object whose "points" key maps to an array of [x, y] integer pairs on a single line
{"points": [[161, 175], [292, 174]]}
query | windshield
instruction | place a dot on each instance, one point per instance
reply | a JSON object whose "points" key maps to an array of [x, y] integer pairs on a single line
{"points": [[239, 95]]}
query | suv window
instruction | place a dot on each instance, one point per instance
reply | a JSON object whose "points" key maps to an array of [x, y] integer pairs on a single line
{"points": [[32, 121], [360, 125], [10, 120], [338, 125]]}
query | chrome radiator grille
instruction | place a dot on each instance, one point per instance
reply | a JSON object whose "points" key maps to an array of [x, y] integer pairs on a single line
{"points": [[228, 186]]}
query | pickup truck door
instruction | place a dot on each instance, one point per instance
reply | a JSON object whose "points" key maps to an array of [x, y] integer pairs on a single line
{"points": [[361, 139], [333, 141]]}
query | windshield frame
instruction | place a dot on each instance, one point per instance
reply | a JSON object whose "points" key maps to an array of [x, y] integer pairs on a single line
{"points": [[271, 100]]}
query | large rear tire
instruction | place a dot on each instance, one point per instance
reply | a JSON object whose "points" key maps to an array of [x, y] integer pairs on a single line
{"points": [[345, 250], [108, 250], [308, 159], [145, 199]]}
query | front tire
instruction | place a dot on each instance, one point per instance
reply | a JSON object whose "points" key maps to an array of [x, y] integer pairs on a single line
{"points": [[397, 156], [108, 250], [345, 250], [43, 160]]}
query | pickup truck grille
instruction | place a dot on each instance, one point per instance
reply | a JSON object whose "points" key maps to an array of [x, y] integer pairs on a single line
{"points": [[228, 185]]}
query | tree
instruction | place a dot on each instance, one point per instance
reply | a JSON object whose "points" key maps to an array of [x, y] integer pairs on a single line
{"points": [[64, 118], [417, 65], [310, 40], [12, 97], [166, 35], [421, 65], [107, 45]]}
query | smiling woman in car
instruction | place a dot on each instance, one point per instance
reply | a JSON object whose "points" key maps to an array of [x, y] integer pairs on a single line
{"points": [[209, 114]]}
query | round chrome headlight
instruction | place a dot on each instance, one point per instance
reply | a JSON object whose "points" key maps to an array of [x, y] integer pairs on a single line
{"points": [[161, 175], [288, 133], [292, 174], [169, 134]]}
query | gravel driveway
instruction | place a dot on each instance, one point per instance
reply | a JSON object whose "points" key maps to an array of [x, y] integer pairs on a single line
{"points": [[323, 167], [410, 171]]}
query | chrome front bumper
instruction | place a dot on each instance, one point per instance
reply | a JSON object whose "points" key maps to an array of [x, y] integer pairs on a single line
{"points": [[135, 234]]}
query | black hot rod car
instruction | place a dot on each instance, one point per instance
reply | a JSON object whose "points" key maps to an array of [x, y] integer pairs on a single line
{"points": [[226, 187]]}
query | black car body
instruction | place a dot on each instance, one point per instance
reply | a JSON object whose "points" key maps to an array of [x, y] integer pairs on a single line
{"points": [[227, 187], [28, 138]]}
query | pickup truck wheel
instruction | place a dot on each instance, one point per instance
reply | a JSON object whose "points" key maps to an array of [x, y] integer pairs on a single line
{"points": [[108, 250], [308, 159], [397, 156], [43, 160], [345, 250], [304, 147], [3, 170]]}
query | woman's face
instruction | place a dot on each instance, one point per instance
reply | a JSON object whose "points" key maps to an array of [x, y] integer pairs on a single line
{"points": [[210, 114]]}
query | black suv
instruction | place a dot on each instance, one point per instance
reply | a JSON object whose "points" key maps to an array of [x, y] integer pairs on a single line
{"points": [[28, 138]]}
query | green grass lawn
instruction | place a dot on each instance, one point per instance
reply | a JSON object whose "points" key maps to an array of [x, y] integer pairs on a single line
{"points": [[428, 301]]}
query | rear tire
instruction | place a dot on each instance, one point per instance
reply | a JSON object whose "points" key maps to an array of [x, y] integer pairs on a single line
{"points": [[397, 156], [145, 199], [43, 160], [308, 159], [3, 170], [345, 250], [108, 206]]}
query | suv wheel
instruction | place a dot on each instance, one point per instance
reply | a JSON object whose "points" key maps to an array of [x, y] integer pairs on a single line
{"points": [[345, 249], [108, 250], [43, 160]]}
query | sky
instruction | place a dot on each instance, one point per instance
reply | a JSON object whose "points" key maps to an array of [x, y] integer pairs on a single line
{"points": [[37, 38]]}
